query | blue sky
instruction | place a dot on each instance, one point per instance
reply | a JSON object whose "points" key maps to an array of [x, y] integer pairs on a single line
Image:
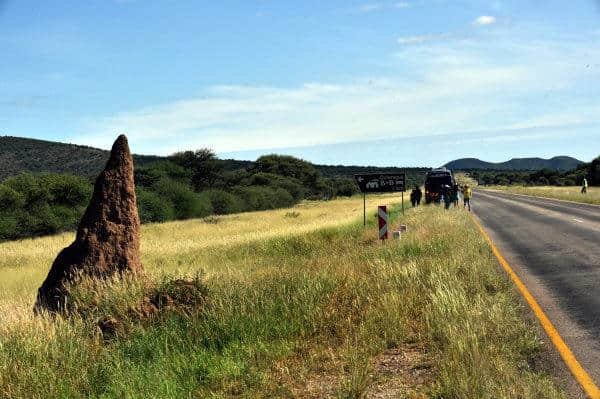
{"points": [[415, 82]]}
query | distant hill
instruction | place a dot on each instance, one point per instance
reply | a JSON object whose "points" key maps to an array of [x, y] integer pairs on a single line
{"points": [[19, 155], [562, 163]]}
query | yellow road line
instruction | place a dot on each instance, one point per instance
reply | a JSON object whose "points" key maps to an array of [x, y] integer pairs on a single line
{"points": [[584, 379]]}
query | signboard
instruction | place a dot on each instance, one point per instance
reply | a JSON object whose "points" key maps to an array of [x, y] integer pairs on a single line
{"points": [[381, 183], [382, 216]]}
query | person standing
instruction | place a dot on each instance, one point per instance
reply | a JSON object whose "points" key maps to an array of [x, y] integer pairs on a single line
{"points": [[455, 191], [448, 198], [419, 194], [584, 186], [413, 198], [467, 194]]}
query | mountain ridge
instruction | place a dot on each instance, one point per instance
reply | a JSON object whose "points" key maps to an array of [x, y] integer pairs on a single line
{"points": [[562, 163]]}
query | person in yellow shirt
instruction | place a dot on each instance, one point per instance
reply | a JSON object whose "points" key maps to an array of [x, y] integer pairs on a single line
{"points": [[467, 194], [584, 186]]}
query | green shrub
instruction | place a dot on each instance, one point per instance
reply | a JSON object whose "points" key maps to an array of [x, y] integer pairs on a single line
{"points": [[256, 198], [290, 184], [186, 203], [222, 202], [8, 226], [288, 166], [10, 199], [345, 187], [65, 217], [282, 198], [67, 189], [153, 208], [150, 175], [34, 191], [253, 198]]}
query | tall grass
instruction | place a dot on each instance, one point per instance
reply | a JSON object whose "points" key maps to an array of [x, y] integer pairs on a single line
{"points": [[290, 300], [571, 193]]}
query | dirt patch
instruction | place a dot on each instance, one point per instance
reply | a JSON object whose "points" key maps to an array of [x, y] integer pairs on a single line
{"points": [[401, 373], [404, 372]]}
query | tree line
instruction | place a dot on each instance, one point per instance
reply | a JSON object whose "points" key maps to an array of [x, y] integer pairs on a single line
{"points": [[190, 184]]}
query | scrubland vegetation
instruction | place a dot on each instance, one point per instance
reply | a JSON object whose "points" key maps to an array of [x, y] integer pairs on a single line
{"points": [[299, 302], [562, 193], [187, 185]]}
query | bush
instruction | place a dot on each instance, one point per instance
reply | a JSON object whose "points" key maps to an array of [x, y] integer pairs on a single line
{"points": [[10, 199], [150, 175], [345, 187], [153, 208], [32, 189], [186, 203], [8, 226], [222, 202], [282, 199], [257, 198], [288, 166], [290, 184], [64, 217], [254, 198], [67, 190]]}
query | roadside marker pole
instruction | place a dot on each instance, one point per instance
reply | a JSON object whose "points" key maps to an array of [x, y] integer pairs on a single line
{"points": [[402, 202], [364, 209], [583, 378], [383, 222]]}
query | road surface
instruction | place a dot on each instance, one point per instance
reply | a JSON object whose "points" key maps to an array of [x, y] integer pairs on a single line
{"points": [[554, 247]]}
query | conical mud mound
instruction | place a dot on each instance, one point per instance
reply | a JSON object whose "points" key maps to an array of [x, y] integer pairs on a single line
{"points": [[108, 236]]}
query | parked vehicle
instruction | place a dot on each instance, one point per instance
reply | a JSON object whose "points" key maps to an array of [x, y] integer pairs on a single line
{"points": [[435, 181]]}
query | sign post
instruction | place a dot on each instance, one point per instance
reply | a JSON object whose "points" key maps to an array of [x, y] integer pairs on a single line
{"points": [[383, 222], [380, 183], [364, 209]]}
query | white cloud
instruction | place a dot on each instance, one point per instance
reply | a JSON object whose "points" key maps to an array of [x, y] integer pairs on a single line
{"points": [[484, 20], [369, 7], [455, 86], [423, 38]]}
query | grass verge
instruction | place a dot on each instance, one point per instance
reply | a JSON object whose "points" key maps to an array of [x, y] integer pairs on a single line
{"points": [[321, 312], [570, 193]]}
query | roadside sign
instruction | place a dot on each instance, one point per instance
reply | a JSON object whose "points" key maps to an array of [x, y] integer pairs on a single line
{"points": [[381, 182], [383, 222]]}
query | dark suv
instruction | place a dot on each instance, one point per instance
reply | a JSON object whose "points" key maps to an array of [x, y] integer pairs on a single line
{"points": [[435, 180]]}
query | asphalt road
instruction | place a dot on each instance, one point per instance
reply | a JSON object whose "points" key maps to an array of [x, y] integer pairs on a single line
{"points": [[554, 247]]}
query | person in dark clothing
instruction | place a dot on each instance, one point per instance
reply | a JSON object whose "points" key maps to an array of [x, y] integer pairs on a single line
{"points": [[455, 194], [415, 196], [447, 190]]}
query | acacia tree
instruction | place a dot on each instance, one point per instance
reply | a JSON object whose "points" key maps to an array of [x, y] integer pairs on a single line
{"points": [[204, 164]]}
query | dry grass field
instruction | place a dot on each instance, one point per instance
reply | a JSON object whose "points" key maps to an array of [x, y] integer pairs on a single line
{"points": [[301, 302], [571, 193]]}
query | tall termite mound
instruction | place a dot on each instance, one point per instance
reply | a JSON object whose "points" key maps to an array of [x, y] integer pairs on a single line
{"points": [[108, 236]]}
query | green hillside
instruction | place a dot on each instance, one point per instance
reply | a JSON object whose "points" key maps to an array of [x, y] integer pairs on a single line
{"points": [[19, 155]]}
